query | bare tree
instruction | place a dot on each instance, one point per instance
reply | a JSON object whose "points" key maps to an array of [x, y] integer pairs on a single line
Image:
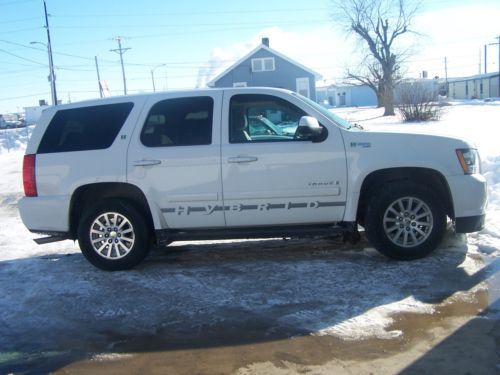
{"points": [[379, 24], [368, 74]]}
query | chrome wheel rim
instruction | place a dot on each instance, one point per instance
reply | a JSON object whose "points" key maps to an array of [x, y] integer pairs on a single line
{"points": [[112, 235], [408, 222]]}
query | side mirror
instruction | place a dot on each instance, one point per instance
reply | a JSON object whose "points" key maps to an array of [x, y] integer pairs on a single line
{"points": [[309, 129]]}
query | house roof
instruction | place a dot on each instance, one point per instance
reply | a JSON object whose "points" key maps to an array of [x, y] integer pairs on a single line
{"points": [[211, 83], [477, 76]]}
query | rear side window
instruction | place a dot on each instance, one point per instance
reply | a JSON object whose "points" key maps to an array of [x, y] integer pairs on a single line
{"points": [[88, 128], [179, 122]]}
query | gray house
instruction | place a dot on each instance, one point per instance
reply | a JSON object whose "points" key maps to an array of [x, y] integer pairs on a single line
{"points": [[266, 67]]}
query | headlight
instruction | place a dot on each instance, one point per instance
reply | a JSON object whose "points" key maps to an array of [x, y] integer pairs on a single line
{"points": [[469, 160]]}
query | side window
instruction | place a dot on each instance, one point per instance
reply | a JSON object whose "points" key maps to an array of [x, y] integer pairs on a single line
{"points": [[87, 128], [179, 122], [262, 118]]}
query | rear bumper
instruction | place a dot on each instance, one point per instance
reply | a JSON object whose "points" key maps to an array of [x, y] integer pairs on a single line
{"points": [[45, 214], [469, 224]]}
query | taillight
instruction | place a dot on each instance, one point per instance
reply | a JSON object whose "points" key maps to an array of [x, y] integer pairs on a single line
{"points": [[29, 176]]}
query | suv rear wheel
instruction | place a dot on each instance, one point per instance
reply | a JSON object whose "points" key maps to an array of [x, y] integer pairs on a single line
{"points": [[405, 221], [113, 236]]}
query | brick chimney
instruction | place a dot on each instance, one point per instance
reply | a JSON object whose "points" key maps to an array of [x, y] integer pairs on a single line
{"points": [[265, 41]]}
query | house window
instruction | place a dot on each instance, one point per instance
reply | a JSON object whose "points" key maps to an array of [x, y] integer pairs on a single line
{"points": [[265, 64]]}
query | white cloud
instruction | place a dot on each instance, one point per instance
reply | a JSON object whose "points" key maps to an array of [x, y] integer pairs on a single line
{"points": [[458, 33], [317, 49]]}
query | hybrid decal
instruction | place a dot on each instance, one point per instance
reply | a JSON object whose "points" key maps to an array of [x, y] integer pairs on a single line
{"points": [[210, 209]]}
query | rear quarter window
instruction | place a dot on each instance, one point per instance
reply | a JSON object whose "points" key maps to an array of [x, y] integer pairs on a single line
{"points": [[86, 128]]}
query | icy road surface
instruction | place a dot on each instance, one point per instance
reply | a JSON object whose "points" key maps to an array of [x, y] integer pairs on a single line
{"points": [[55, 307]]}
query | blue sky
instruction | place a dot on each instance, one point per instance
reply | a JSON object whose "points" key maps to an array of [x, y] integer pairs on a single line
{"points": [[195, 36]]}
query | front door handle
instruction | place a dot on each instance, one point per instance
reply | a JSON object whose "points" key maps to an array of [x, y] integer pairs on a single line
{"points": [[242, 159], [145, 163]]}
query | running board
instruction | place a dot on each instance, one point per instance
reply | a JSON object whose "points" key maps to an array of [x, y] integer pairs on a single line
{"points": [[169, 235], [50, 239]]}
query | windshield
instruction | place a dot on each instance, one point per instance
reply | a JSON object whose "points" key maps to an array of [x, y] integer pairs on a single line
{"points": [[336, 119]]}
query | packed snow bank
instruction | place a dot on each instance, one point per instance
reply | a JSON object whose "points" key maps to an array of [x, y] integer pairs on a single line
{"points": [[14, 139], [476, 121]]}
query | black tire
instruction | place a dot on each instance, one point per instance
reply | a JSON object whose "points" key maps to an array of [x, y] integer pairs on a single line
{"points": [[119, 239], [398, 228]]}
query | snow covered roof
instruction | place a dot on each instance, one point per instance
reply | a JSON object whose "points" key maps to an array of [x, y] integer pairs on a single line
{"points": [[477, 76]]}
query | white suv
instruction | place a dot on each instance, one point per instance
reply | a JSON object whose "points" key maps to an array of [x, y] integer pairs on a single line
{"points": [[120, 174]]}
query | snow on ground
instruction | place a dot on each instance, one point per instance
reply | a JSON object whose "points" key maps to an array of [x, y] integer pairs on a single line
{"points": [[50, 294], [474, 120]]}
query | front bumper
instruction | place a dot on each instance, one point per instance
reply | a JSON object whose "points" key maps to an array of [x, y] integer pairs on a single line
{"points": [[469, 224], [469, 194]]}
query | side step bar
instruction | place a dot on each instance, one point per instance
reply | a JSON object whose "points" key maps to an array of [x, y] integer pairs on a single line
{"points": [[49, 239], [166, 236]]}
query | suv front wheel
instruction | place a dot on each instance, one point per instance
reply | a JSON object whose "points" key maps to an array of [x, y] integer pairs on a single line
{"points": [[113, 236], [405, 221]]}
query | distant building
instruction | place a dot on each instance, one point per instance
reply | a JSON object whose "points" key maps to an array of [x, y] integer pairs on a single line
{"points": [[346, 96], [480, 86], [266, 67], [32, 114]]}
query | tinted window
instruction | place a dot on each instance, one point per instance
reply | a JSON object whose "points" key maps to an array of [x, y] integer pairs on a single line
{"points": [[179, 122], [262, 118], [88, 128]]}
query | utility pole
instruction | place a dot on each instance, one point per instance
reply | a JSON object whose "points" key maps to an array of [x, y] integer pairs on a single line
{"points": [[446, 73], [98, 76], [121, 51], [52, 76], [479, 64], [485, 59], [498, 44]]}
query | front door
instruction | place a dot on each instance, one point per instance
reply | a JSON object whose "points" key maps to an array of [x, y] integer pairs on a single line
{"points": [[271, 176]]}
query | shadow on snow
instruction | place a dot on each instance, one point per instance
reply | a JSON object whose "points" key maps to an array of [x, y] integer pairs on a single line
{"points": [[57, 309]]}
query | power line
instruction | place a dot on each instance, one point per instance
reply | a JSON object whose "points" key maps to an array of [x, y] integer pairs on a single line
{"points": [[20, 30], [19, 20], [22, 58], [197, 25], [24, 96], [188, 13]]}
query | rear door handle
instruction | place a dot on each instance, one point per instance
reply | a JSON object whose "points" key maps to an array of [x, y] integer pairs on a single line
{"points": [[145, 163], [242, 159]]}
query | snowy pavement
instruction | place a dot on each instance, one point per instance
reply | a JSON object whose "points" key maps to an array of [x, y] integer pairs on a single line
{"points": [[54, 306]]}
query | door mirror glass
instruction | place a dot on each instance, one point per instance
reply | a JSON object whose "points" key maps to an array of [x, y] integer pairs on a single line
{"points": [[310, 129]]}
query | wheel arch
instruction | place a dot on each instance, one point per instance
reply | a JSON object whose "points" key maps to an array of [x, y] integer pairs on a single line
{"points": [[87, 195], [429, 177]]}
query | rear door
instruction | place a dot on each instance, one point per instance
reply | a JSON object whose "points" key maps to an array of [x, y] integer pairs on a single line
{"points": [[174, 157]]}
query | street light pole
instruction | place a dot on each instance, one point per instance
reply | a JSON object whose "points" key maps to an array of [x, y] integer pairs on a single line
{"points": [[153, 75], [52, 76]]}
